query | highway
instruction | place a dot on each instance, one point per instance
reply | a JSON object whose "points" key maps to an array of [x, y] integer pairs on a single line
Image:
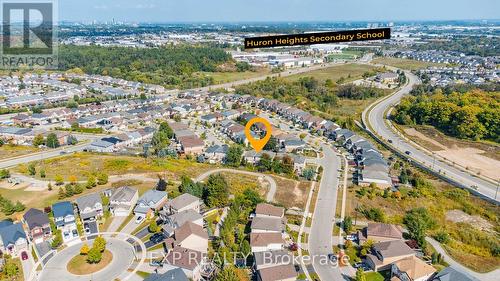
{"points": [[375, 121]]}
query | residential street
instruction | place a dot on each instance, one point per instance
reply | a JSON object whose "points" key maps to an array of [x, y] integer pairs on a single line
{"points": [[320, 237]]}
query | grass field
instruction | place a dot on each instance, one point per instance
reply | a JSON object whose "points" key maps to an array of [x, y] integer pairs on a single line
{"points": [[226, 77], [405, 63], [291, 193], [83, 164], [349, 72], [8, 150]]}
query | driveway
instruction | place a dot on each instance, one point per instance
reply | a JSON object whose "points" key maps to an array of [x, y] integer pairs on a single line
{"points": [[42, 249], [115, 223], [27, 264], [142, 233], [272, 182], [123, 256], [130, 226]]}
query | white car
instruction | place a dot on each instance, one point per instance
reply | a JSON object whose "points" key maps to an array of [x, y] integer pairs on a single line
{"points": [[139, 219]]}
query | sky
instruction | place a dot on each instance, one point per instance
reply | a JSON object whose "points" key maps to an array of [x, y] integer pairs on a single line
{"points": [[275, 10]]}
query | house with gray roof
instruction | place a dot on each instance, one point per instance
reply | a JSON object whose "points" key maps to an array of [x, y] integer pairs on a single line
{"points": [[38, 225], [176, 220], [122, 200], [451, 274], [12, 238], [90, 206], [181, 203], [149, 202], [176, 274], [64, 218]]}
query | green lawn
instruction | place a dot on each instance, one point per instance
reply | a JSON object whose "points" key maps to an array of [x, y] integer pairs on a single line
{"points": [[374, 276]]}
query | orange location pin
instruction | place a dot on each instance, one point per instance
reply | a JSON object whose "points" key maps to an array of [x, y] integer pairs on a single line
{"points": [[258, 144]]}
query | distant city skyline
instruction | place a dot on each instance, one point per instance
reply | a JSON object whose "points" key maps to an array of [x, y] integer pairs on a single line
{"points": [[275, 10]]}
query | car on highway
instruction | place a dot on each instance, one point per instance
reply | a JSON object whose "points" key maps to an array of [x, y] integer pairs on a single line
{"points": [[24, 255], [407, 152], [63, 152], [475, 187], [390, 141], [139, 219]]}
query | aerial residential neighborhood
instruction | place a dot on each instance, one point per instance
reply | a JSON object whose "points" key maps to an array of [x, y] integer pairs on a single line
{"points": [[161, 145]]}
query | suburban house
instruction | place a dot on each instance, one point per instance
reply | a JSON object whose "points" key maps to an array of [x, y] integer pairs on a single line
{"points": [[190, 261], [64, 218], [268, 210], [90, 206], [38, 225], [386, 253], [181, 203], [268, 225], [284, 272], [191, 236], [12, 238], [411, 269], [177, 220], [191, 145], [176, 274], [262, 242], [380, 232], [150, 201], [451, 274], [271, 259], [122, 200]]}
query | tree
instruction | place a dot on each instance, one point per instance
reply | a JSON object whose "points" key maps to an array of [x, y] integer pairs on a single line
{"points": [[84, 249], [272, 144], [99, 244], [234, 155], [38, 140], [4, 173], [360, 275], [69, 190], [91, 182], [61, 194], [287, 164], [78, 188], [59, 180], [57, 241], [102, 178], [216, 191], [227, 274], [31, 169], [161, 185], [347, 224], [42, 173], [94, 255], [52, 141], [153, 227], [11, 269], [245, 248], [49, 186], [418, 221], [189, 186], [265, 163]]}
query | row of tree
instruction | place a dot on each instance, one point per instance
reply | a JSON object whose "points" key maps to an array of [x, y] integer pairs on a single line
{"points": [[474, 114], [215, 192]]}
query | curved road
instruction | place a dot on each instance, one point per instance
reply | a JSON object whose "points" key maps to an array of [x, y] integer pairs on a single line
{"points": [[272, 182], [122, 258], [378, 125]]}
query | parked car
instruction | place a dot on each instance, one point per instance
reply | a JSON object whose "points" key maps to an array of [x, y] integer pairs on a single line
{"points": [[407, 152], [351, 237], [474, 187], [155, 263], [24, 255], [157, 238], [139, 219], [390, 141]]}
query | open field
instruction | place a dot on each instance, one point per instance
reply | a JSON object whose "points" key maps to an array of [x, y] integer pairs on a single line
{"points": [[239, 182], [83, 164], [349, 72], [479, 157], [291, 193], [226, 77], [8, 150], [405, 63]]}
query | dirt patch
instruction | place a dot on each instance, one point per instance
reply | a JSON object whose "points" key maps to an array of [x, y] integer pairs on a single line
{"points": [[457, 216], [478, 157]]}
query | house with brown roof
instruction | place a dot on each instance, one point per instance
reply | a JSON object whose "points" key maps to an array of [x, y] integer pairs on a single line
{"points": [[190, 261], [388, 252], [191, 236], [181, 203], [268, 210], [380, 232], [271, 258], [411, 269], [191, 145], [261, 242], [277, 273]]}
